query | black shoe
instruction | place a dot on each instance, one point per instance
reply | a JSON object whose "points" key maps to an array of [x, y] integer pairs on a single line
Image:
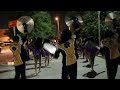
{"points": [[88, 66], [85, 61]]}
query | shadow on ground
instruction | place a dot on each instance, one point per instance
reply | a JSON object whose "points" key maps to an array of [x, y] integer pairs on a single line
{"points": [[33, 75], [89, 66], [38, 67], [92, 74], [3, 71]]}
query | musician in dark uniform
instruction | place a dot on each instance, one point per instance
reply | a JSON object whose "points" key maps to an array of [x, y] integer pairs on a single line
{"points": [[18, 62], [112, 53], [66, 46], [91, 50]]}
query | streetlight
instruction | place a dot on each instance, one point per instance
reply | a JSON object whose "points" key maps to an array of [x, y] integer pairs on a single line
{"points": [[57, 19]]}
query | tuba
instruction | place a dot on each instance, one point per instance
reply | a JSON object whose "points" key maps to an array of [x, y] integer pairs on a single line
{"points": [[73, 20], [25, 24], [112, 22]]}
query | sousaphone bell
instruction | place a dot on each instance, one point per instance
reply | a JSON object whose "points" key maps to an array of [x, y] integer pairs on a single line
{"points": [[50, 48], [112, 20], [73, 20], [25, 24]]}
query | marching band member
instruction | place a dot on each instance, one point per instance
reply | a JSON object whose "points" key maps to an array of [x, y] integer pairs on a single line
{"points": [[67, 47], [111, 42], [15, 47]]}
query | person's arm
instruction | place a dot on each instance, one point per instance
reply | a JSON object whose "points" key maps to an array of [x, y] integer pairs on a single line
{"points": [[20, 40], [56, 55], [24, 38], [105, 42], [76, 53], [108, 42], [19, 46], [31, 46]]}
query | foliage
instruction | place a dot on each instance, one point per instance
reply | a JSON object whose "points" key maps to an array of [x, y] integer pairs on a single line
{"points": [[91, 22], [43, 26]]}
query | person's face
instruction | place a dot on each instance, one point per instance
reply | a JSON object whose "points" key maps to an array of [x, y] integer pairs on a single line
{"points": [[54, 42]]}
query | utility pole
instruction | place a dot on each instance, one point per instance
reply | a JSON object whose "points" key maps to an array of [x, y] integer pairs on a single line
{"points": [[99, 27]]}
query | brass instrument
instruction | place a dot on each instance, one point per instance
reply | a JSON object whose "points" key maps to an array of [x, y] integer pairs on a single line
{"points": [[25, 20], [25, 25], [50, 48], [73, 20], [112, 20]]}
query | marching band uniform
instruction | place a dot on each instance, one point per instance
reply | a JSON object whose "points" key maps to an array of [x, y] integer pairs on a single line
{"points": [[18, 62], [112, 63], [91, 50], [16, 49], [69, 60]]}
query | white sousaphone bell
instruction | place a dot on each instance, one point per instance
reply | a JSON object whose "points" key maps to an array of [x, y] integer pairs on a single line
{"points": [[50, 48], [25, 20]]}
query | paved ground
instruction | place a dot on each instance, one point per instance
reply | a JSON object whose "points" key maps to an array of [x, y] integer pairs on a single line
{"points": [[53, 71], [5, 55]]}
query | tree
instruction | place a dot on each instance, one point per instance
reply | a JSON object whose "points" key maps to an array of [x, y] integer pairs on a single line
{"points": [[43, 26], [91, 22]]}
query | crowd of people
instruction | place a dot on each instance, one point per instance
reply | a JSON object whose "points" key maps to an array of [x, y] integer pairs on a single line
{"points": [[70, 45]]}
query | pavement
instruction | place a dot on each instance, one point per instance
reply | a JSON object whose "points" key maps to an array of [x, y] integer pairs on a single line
{"points": [[53, 70], [6, 55]]}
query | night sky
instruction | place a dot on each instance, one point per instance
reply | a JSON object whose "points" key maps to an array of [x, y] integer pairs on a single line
{"points": [[5, 16]]}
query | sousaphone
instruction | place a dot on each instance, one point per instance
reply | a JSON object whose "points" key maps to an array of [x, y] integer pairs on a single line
{"points": [[50, 48], [113, 23], [73, 20], [25, 24], [112, 20]]}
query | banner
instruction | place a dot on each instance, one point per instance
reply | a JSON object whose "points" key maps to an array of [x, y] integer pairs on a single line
{"points": [[12, 23]]}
